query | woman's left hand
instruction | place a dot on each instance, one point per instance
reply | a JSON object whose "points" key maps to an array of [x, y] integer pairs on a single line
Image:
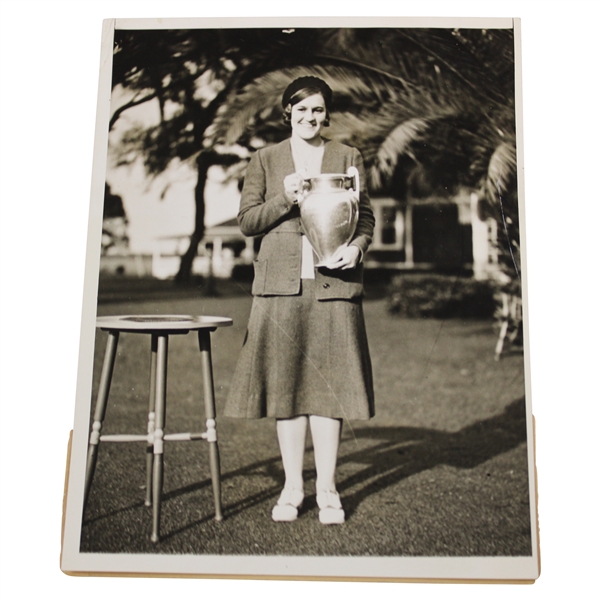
{"points": [[346, 257]]}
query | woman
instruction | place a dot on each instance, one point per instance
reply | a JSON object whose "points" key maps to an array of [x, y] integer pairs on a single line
{"points": [[305, 360]]}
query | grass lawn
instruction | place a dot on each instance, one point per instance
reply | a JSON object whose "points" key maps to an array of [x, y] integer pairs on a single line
{"points": [[440, 471]]}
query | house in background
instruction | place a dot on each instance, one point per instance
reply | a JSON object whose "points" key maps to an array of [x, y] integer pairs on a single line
{"points": [[433, 234], [222, 247]]}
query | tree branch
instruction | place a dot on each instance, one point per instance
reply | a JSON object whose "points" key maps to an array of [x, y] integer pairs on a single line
{"points": [[127, 106]]}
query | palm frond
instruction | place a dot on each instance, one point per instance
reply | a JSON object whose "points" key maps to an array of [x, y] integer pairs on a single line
{"points": [[502, 171], [350, 128], [396, 144]]}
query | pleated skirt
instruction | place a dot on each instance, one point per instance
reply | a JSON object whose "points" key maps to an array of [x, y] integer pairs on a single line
{"points": [[302, 356]]}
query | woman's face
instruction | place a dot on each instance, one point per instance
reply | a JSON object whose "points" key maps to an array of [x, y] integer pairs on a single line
{"points": [[308, 117]]}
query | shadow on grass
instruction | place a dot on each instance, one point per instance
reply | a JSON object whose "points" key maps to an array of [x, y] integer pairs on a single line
{"points": [[387, 455], [401, 452]]}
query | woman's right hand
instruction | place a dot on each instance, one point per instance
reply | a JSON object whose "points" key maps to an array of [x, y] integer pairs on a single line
{"points": [[292, 186]]}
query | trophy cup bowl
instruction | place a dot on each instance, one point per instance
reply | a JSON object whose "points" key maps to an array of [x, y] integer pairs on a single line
{"points": [[329, 211]]}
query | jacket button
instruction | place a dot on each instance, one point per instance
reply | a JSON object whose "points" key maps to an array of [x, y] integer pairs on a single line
{"points": [[326, 286]]}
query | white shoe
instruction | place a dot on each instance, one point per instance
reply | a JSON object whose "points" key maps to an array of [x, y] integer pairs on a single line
{"points": [[287, 506], [331, 511]]}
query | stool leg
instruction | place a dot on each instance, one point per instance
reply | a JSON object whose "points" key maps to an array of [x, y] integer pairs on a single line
{"points": [[159, 407], [151, 421], [100, 411], [211, 425]]}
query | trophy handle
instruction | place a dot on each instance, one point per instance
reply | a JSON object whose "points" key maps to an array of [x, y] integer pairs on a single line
{"points": [[353, 172]]}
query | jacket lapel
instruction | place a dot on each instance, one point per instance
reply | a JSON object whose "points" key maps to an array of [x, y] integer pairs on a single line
{"points": [[287, 158]]}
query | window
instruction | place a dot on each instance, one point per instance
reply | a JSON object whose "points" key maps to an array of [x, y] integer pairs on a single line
{"points": [[389, 224]]}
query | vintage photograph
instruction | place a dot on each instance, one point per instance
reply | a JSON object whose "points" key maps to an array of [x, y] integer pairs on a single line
{"points": [[304, 350]]}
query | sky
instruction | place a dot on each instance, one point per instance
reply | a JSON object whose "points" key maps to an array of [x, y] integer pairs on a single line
{"points": [[163, 206]]}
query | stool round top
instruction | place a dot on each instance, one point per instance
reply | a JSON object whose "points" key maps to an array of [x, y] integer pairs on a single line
{"points": [[145, 323]]}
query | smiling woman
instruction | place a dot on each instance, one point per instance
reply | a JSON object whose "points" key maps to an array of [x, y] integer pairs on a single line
{"points": [[308, 118], [305, 359]]}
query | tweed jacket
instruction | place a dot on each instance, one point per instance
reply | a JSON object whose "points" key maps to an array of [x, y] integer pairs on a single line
{"points": [[265, 210]]}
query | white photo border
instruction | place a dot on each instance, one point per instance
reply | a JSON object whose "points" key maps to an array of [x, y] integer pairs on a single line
{"points": [[506, 569]]}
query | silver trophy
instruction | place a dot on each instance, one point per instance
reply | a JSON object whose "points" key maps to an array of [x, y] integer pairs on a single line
{"points": [[329, 211]]}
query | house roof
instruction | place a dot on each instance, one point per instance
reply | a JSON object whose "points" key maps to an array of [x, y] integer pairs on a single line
{"points": [[229, 223]]}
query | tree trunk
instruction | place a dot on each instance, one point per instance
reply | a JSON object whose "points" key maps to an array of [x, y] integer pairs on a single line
{"points": [[204, 161]]}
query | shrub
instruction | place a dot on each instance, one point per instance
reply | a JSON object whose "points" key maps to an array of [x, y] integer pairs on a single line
{"points": [[441, 297]]}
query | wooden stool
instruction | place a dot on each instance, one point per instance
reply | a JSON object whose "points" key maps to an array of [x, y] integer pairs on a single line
{"points": [[159, 328]]}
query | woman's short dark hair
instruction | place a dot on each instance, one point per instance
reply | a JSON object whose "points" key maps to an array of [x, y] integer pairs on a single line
{"points": [[302, 88]]}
